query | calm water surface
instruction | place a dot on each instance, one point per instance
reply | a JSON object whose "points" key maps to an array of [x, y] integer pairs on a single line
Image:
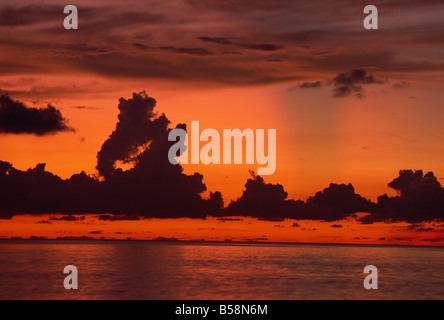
{"points": [[154, 270]]}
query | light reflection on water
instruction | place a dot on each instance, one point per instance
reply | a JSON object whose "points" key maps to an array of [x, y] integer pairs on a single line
{"points": [[153, 270]]}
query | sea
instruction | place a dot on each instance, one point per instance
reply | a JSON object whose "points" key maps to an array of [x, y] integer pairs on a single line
{"points": [[147, 270]]}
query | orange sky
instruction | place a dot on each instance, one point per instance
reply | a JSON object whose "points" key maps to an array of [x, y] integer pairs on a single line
{"points": [[319, 141], [240, 84]]}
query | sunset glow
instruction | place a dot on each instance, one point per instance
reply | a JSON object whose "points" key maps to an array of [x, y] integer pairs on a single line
{"points": [[350, 106]]}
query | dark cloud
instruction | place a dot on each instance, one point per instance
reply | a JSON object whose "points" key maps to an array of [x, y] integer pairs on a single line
{"points": [[67, 218], [262, 47], [431, 240], [190, 67], [307, 85], [84, 107], [272, 219], [152, 188], [310, 85], [229, 219], [269, 202], [94, 19], [140, 46], [17, 118], [109, 217], [166, 239], [37, 238], [192, 51], [419, 228], [351, 82], [217, 40], [75, 238], [338, 202], [261, 200], [103, 44], [414, 226], [179, 50], [345, 84], [43, 222], [336, 226], [259, 47], [420, 198], [424, 229], [137, 126], [125, 18]]}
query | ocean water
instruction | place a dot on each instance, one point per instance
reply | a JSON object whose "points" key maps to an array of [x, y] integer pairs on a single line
{"points": [[174, 270]]}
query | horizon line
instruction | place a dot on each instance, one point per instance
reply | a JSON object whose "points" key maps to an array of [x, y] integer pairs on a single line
{"points": [[166, 240]]}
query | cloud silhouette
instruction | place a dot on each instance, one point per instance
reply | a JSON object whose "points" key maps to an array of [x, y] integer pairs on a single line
{"points": [[17, 118], [351, 82], [347, 83], [338, 202], [137, 126], [261, 200], [43, 222], [183, 50], [307, 85], [152, 188], [179, 50], [431, 240], [250, 46], [310, 85], [269, 202], [109, 217], [420, 198], [67, 218]]}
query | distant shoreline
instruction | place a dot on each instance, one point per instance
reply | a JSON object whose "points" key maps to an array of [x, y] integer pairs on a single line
{"points": [[194, 242]]}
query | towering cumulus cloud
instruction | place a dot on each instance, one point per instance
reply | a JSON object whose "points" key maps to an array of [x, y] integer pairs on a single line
{"points": [[17, 118], [420, 198], [152, 188], [137, 126]]}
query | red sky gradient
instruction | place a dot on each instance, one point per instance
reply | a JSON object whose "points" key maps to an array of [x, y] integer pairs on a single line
{"points": [[235, 64]]}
